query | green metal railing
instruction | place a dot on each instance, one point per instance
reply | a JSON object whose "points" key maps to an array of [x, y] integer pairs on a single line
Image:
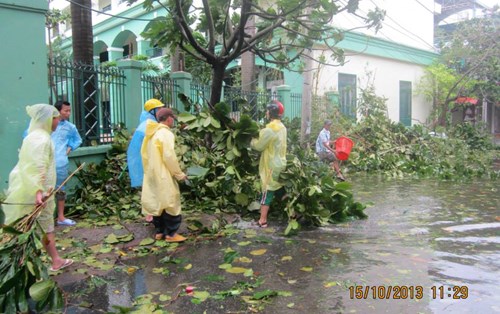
{"points": [[200, 94], [159, 87], [96, 94], [252, 103], [294, 109]]}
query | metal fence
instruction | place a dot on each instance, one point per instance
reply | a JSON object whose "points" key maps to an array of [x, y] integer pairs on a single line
{"points": [[96, 94], [252, 103], [200, 94], [294, 109], [159, 87]]}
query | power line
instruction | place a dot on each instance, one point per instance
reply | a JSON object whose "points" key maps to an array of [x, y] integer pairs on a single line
{"points": [[415, 36], [425, 7], [388, 52], [102, 12]]}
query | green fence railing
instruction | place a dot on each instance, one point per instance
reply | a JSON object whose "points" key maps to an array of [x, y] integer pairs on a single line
{"points": [[96, 94]]}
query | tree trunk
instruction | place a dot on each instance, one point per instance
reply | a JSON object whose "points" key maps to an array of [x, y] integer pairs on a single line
{"points": [[177, 61], [248, 61], [85, 102], [217, 80], [305, 129], [81, 24]]}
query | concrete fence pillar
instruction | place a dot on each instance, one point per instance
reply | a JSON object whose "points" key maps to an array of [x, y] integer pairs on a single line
{"points": [[132, 70], [284, 97], [182, 84]]}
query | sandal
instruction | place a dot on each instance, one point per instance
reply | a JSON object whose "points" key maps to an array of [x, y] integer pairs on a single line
{"points": [[262, 224], [66, 263], [341, 177]]}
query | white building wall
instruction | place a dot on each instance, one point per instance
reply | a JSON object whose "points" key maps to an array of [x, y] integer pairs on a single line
{"points": [[385, 76], [407, 22]]}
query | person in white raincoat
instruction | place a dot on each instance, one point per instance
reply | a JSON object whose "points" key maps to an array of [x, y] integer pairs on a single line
{"points": [[161, 196], [272, 144], [34, 176]]}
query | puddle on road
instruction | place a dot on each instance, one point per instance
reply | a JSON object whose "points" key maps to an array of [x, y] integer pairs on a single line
{"points": [[429, 241]]}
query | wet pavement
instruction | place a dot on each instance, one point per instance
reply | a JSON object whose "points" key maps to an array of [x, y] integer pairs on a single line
{"points": [[427, 247]]}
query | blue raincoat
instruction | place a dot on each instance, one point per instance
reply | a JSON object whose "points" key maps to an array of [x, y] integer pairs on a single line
{"points": [[66, 135], [134, 159]]}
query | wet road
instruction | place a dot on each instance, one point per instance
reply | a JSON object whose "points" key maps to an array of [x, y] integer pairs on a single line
{"points": [[427, 247]]}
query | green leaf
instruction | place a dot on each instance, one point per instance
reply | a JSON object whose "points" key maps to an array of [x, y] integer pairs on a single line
{"points": [[11, 230], [230, 170], [264, 294], [241, 199], [201, 295], [185, 117], [126, 238], [230, 256], [215, 123], [196, 171], [147, 241], [39, 291], [237, 270], [111, 239]]}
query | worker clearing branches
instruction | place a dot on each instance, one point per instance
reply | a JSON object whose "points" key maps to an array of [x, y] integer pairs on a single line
{"points": [[325, 150], [272, 144]]}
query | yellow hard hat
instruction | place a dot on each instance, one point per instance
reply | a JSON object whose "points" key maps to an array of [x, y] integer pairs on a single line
{"points": [[152, 104]]}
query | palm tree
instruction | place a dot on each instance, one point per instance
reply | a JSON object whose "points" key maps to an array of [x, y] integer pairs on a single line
{"points": [[85, 80], [81, 23]]}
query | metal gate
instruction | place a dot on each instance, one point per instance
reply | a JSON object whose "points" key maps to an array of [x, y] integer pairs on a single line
{"points": [[96, 94]]}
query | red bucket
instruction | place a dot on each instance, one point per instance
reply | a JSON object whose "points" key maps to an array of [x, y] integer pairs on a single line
{"points": [[343, 147]]}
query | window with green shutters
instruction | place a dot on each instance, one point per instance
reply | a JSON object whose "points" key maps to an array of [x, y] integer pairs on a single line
{"points": [[405, 103], [347, 94]]}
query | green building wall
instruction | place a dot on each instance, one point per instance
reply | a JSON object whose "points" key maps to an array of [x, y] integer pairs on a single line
{"points": [[23, 74]]}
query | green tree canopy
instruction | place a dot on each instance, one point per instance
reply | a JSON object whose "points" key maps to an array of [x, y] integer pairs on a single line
{"points": [[285, 30], [469, 66]]}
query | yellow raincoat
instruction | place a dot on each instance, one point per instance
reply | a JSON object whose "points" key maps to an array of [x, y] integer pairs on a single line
{"points": [[160, 191], [272, 144], [36, 169]]}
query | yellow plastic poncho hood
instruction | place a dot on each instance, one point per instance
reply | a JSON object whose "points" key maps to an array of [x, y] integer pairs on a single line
{"points": [[272, 144], [35, 170], [160, 191]]}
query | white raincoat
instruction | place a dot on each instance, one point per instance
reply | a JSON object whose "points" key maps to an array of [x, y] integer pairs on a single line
{"points": [[35, 171], [272, 144], [160, 191]]}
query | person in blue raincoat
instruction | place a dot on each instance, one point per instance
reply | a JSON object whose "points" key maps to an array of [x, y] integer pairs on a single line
{"points": [[66, 139], [134, 159]]}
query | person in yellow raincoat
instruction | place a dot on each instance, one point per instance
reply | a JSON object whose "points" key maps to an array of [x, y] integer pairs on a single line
{"points": [[34, 176], [272, 144], [161, 196]]}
